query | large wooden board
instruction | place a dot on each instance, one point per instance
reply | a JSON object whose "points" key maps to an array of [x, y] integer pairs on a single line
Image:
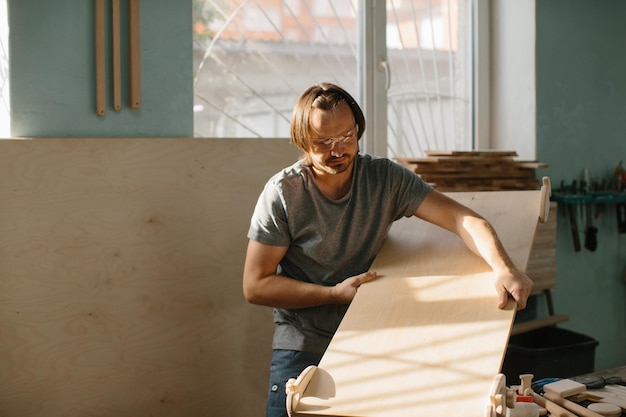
{"points": [[426, 338], [120, 276]]}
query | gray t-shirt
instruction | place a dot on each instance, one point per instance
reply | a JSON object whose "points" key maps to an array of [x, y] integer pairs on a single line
{"points": [[329, 240]]}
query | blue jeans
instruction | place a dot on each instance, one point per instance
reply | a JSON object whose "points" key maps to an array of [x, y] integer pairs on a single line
{"points": [[286, 364]]}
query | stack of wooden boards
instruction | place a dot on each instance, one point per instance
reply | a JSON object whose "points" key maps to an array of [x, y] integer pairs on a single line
{"points": [[474, 170]]}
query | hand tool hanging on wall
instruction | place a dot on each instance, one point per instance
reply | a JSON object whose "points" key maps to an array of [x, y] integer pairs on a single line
{"points": [[618, 183], [134, 66], [573, 220], [591, 241], [573, 223], [591, 232], [99, 17], [117, 59], [134, 57], [620, 210]]}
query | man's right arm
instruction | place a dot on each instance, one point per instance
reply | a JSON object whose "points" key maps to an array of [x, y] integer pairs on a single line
{"points": [[261, 284]]}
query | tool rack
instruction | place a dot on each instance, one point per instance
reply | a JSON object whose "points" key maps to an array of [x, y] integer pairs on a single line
{"points": [[594, 197], [571, 201]]}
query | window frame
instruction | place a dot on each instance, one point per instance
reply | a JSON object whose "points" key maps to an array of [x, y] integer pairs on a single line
{"points": [[374, 80]]}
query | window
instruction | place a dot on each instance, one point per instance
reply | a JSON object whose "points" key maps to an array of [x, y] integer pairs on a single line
{"points": [[5, 110], [429, 96], [253, 58]]}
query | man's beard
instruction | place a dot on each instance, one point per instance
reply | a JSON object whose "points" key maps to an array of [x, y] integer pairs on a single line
{"points": [[329, 167]]}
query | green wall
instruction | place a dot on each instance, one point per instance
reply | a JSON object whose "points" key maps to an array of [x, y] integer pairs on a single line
{"points": [[52, 71], [581, 116], [581, 123]]}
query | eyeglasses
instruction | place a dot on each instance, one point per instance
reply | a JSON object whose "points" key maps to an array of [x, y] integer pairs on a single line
{"points": [[328, 143]]}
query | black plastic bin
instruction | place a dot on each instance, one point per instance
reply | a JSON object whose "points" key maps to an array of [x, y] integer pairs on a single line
{"points": [[549, 352]]}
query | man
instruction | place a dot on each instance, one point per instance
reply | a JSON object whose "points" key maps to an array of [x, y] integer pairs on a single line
{"points": [[319, 224]]}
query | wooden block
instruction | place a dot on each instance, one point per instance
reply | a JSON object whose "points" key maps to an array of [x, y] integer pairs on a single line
{"points": [[613, 394], [565, 388], [578, 409], [609, 398], [606, 409]]}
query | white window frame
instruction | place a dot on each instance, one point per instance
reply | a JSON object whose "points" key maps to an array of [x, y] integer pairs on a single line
{"points": [[504, 90], [512, 78], [5, 102], [503, 84], [374, 80]]}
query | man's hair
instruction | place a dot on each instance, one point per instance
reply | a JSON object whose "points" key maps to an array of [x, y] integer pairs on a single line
{"points": [[323, 96]]}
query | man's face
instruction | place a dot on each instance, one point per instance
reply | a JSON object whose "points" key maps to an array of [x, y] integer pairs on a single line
{"points": [[334, 139]]}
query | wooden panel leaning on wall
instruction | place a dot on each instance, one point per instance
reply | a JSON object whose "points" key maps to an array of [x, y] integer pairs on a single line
{"points": [[120, 277]]}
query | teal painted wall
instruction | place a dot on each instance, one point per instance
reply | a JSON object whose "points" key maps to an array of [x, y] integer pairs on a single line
{"points": [[581, 123], [581, 117], [52, 70]]}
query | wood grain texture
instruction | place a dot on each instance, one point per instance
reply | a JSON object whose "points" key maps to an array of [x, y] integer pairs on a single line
{"points": [[542, 260], [116, 63], [134, 54], [612, 394], [100, 54], [120, 277], [425, 338]]}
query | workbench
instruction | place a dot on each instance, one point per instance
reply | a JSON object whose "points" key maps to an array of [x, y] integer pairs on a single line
{"points": [[619, 371], [606, 373]]}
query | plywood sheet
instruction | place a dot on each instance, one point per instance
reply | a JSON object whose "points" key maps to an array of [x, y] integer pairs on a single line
{"points": [[120, 276], [426, 338]]}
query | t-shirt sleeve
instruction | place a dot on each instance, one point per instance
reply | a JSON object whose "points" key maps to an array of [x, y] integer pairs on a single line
{"points": [[411, 190], [269, 219]]}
